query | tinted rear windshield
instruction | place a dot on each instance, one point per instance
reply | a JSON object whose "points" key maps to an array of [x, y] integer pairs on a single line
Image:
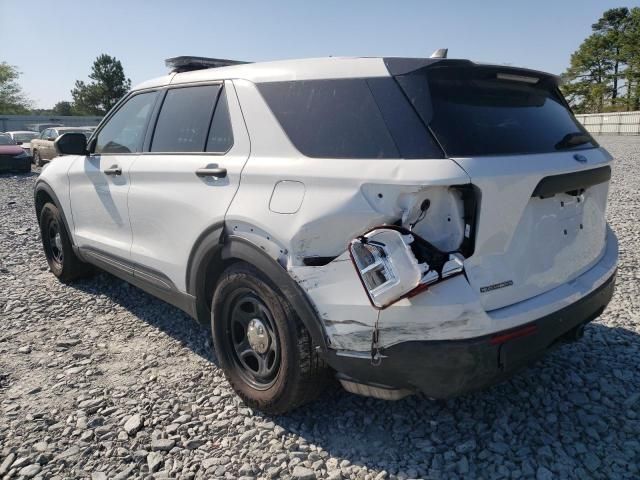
{"points": [[480, 111]]}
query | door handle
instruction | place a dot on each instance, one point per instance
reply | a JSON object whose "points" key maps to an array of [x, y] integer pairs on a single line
{"points": [[113, 170], [217, 172]]}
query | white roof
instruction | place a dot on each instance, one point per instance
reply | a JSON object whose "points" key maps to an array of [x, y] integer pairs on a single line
{"points": [[282, 70]]}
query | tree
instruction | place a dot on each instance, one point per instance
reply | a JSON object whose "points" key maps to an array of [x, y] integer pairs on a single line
{"points": [[631, 52], [587, 79], [62, 108], [611, 27], [606, 66], [108, 86], [12, 100]]}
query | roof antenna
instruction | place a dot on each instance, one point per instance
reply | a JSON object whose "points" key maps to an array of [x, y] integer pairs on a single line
{"points": [[440, 53]]}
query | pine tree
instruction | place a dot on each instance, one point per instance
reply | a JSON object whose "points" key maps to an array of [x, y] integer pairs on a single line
{"points": [[108, 86]]}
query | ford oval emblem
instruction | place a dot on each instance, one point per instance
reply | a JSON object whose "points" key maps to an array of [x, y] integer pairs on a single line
{"points": [[580, 158]]}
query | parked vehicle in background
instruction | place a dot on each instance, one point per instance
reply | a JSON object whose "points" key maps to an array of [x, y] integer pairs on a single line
{"points": [[12, 157], [42, 148], [39, 127], [23, 138], [405, 224]]}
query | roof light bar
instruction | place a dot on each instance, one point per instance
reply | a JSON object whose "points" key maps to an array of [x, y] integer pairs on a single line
{"points": [[189, 63]]}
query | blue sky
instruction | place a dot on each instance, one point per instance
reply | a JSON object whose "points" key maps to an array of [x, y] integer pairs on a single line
{"points": [[54, 43]]}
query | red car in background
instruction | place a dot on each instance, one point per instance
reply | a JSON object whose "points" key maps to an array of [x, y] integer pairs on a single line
{"points": [[12, 156]]}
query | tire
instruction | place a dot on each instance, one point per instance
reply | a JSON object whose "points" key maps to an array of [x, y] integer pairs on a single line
{"points": [[291, 373], [37, 159], [62, 261]]}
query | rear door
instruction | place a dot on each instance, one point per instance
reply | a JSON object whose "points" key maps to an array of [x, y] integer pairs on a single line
{"points": [[185, 180], [542, 179], [99, 183]]}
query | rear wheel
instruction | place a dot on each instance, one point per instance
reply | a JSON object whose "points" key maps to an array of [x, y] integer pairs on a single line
{"points": [[263, 347], [61, 258]]}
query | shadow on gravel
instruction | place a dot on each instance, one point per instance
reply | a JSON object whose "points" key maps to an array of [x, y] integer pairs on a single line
{"points": [[563, 412], [161, 315]]}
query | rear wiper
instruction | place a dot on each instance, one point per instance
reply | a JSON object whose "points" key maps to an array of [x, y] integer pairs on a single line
{"points": [[572, 140]]}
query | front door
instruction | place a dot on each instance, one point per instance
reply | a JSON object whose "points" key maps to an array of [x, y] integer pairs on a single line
{"points": [[186, 180], [99, 183]]}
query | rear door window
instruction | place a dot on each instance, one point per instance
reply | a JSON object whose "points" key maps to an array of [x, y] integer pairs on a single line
{"points": [[220, 138], [184, 119], [477, 111]]}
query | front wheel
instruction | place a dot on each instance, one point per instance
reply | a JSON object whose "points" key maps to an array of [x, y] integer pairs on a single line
{"points": [[58, 250], [264, 349]]}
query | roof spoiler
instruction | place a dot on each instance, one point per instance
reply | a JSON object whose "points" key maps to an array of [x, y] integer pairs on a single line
{"points": [[189, 63]]}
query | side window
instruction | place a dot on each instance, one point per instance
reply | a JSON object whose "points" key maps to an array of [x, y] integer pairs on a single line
{"points": [[221, 135], [330, 118], [184, 119], [45, 134], [124, 131], [53, 133]]}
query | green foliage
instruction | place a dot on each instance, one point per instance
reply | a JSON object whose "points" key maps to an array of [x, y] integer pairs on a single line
{"points": [[12, 100], [603, 75], [108, 85], [62, 108]]}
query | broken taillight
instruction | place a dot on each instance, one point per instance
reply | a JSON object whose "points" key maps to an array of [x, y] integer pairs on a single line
{"points": [[389, 269]]}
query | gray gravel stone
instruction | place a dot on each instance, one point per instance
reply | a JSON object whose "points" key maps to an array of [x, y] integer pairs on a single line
{"points": [[133, 424], [30, 471], [154, 461], [303, 473], [162, 444]]}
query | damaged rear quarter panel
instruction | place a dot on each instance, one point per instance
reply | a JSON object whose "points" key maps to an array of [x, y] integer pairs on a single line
{"points": [[343, 199]]}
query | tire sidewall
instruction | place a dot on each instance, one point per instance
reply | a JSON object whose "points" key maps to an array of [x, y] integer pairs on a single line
{"points": [[49, 214], [241, 276]]}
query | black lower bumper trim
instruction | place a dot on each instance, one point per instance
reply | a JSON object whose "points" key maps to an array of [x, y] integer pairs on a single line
{"points": [[444, 369]]}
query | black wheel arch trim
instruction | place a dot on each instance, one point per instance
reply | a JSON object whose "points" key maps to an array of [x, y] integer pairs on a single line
{"points": [[42, 186], [206, 248], [241, 249]]}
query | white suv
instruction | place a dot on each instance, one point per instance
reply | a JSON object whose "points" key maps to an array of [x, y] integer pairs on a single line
{"points": [[405, 224]]}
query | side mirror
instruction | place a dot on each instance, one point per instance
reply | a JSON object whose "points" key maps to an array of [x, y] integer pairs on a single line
{"points": [[51, 139], [71, 143]]}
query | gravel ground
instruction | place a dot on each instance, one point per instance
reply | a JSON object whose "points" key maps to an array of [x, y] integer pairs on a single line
{"points": [[100, 380]]}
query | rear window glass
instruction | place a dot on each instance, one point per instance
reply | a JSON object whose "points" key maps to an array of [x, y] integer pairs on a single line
{"points": [[183, 122], [477, 111], [220, 135], [330, 118]]}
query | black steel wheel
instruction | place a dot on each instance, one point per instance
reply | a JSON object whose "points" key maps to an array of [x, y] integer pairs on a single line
{"points": [[262, 345], [58, 250], [254, 337]]}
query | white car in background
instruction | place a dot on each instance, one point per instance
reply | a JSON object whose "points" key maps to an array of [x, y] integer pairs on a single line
{"points": [[405, 224], [23, 138]]}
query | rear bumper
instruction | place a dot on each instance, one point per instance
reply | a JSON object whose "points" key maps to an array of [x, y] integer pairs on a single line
{"points": [[447, 368]]}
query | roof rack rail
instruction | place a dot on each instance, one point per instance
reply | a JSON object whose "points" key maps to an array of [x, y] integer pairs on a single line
{"points": [[189, 63]]}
